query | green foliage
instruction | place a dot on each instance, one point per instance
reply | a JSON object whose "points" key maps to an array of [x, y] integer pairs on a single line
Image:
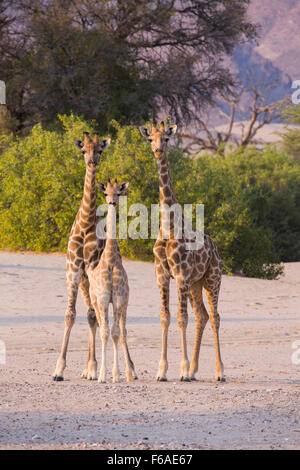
{"points": [[292, 114], [251, 198], [41, 188], [252, 201], [291, 138]]}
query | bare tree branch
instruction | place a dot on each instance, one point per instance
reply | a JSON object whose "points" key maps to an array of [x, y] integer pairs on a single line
{"points": [[261, 113]]}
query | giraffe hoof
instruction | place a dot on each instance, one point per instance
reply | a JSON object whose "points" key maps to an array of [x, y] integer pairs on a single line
{"points": [[221, 379], [135, 377], [185, 379], [193, 379], [57, 378], [162, 379]]}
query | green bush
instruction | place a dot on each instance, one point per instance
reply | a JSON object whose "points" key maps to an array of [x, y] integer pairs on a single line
{"points": [[252, 208], [41, 188], [251, 198], [291, 136]]}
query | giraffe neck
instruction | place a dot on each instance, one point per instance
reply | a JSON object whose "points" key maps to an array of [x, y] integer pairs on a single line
{"points": [[166, 191], [92, 247], [166, 196], [88, 203], [111, 245]]}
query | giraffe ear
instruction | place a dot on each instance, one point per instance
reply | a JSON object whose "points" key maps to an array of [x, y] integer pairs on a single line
{"points": [[78, 144], [144, 132], [172, 130], [123, 188], [102, 187], [105, 143]]}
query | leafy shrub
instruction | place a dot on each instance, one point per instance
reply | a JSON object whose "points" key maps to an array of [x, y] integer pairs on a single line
{"points": [[291, 137], [41, 188], [251, 200]]}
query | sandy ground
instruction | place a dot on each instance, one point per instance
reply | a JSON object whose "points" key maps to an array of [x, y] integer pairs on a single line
{"points": [[257, 407]]}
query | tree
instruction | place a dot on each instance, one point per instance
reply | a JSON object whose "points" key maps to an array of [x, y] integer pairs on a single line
{"points": [[260, 113], [8, 124], [122, 59]]}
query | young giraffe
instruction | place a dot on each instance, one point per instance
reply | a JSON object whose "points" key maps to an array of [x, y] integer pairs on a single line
{"points": [[192, 270], [109, 284], [84, 251]]}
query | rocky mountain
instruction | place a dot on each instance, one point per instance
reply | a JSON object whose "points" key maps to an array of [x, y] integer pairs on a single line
{"points": [[279, 32], [274, 57]]}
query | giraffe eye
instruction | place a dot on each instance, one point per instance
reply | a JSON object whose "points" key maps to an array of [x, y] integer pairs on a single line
{"points": [[150, 140], [105, 194]]}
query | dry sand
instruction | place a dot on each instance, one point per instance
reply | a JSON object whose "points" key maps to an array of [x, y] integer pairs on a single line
{"points": [[257, 407]]}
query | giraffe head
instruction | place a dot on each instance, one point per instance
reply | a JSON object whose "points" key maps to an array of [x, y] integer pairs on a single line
{"points": [[112, 192], [158, 137], [91, 148]]}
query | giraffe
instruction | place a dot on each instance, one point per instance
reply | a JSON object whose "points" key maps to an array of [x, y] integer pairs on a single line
{"points": [[193, 271], [109, 284], [84, 250]]}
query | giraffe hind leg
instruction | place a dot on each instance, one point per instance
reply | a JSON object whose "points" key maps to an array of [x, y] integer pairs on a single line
{"points": [[201, 318], [130, 369], [164, 287], [73, 279], [212, 284]]}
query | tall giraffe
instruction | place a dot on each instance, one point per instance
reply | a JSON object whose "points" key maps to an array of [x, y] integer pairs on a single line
{"points": [[109, 284], [192, 270], [84, 251]]}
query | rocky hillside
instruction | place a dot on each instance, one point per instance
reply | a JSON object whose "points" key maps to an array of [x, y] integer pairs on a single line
{"points": [[273, 58], [279, 40]]}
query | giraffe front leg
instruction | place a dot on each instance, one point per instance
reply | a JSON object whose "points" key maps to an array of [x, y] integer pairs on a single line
{"points": [[90, 371], [164, 287], [58, 374], [73, 279], [115, 334], [129, 365], [102, 316], [182, 319]]}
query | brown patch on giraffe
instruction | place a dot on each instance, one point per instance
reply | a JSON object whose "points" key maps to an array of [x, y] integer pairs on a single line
{"points": [[78, 261]]}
